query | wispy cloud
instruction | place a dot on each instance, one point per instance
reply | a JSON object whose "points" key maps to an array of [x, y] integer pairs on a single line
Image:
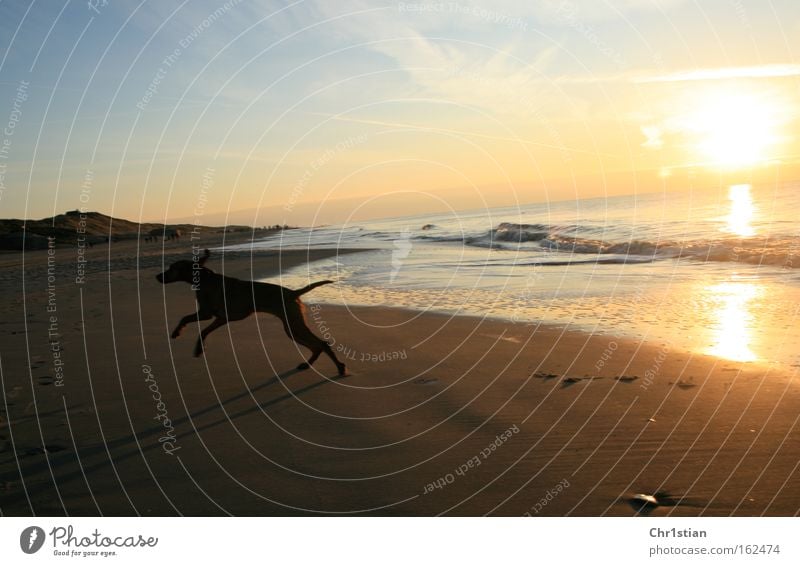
{"points": [[500, 76], [722, 73]]}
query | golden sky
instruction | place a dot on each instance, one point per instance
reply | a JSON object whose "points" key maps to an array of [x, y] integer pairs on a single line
{"points": [[314, 112]]}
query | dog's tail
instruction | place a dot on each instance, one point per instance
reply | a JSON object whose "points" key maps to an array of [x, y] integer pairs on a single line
{"points": [[308, 288]]}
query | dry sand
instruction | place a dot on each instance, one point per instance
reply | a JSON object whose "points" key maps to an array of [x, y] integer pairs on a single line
{"points": [[441, 415]]}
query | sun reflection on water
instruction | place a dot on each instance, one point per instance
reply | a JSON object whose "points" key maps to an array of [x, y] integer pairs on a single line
{"points": [[740, 218], [732, 331]]}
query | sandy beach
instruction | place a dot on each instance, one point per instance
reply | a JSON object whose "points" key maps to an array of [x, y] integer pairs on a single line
{"points": [[102, 413]]}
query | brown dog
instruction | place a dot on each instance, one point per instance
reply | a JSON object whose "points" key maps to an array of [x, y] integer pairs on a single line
{"points": [[227, 299]]}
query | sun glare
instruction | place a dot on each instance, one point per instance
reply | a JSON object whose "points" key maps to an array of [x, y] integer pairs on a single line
{"points": [[736, 129]]}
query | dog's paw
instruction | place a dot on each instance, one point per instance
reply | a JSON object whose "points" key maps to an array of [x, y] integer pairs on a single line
{"points": [[343, 371], [175, 334], [198, 350], [303, 366]]}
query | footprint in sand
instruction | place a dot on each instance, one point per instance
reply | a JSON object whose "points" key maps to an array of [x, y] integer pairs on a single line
{"points": [[426, 381], [627, 378], [80, 410], [569, 381], [46, 380], [683, 384], [545, 376], [37, 450]]}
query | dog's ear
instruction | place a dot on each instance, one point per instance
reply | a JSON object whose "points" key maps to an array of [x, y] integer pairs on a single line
{"points": [[205, 257]]}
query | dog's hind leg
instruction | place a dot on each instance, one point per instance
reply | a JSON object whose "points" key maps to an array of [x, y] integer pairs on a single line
{"points": [[189, 318], [297, 330], [218, 322], [340, 367], [304, 337]]}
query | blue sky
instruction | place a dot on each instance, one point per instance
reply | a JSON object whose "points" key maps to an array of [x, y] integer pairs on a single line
{"points": [[300, 111]]}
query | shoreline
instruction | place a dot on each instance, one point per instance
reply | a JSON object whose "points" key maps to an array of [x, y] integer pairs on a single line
{"points": [[577, 329], [420, 427], [770, 349]]}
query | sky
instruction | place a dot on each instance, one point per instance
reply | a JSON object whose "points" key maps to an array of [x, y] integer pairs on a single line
{"points": [[317, 112]]}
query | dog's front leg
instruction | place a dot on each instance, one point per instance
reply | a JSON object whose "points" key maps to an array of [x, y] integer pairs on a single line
{"points": [[196, 317], [198, 349]]}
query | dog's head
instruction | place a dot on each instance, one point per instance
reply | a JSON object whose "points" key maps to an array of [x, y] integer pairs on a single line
{"points": [[184, 270]]}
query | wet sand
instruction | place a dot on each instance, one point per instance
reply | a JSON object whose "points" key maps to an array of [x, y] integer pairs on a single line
{"points": [[103, 413]]}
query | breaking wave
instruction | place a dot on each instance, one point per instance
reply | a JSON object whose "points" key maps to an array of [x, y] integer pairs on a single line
{"points": [[772, 250]]}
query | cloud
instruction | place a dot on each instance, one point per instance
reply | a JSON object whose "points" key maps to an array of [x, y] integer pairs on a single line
{"points": [[502, 73], [640, 76], [554, 11], [723, 73]]}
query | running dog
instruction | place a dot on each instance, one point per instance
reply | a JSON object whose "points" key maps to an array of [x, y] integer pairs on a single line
{"points": [[226, 299]]}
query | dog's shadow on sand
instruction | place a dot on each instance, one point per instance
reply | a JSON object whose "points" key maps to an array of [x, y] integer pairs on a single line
{"points": [[52, 463], [253, 409]]}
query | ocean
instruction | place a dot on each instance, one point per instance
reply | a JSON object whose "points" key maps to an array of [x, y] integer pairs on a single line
{"points": [[713, 272]]}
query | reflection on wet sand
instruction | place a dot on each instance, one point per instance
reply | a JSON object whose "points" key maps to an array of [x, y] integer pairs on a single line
{"points": [[732, 333]]}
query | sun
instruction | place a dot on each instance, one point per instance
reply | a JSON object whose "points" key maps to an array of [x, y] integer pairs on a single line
{"points": [[735, 129]]}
